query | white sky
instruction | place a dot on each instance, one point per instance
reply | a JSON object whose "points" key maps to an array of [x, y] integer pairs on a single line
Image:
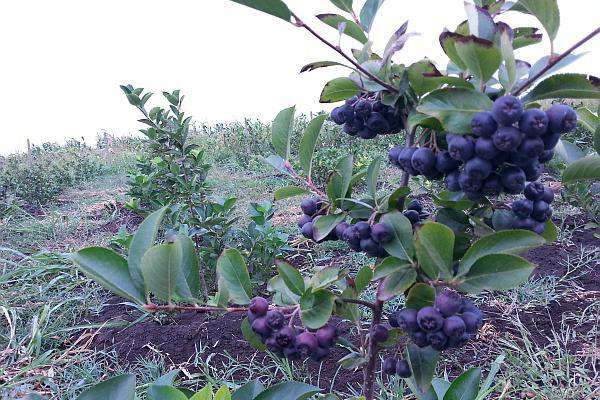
{"points": [[62, 60]]}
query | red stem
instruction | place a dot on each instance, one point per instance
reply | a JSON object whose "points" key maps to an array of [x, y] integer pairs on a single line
{"points": [[553, 61]]}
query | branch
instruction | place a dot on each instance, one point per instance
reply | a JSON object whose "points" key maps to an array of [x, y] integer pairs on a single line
{"points": [[307, 182], [301, 24], [155, 307], [357, 301], [553, 61]]}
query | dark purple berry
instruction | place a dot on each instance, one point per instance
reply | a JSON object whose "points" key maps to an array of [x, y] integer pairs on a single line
{"points": [[423, 160], [473, 322], [310, 205], [340, 229], [445, 163], [454, 326], [550, 140], [261, 327], [484, 148], [320, 354], [364, 229], [381, 233], [437, 340], [483, 124], [419, 338], [507, 138], [534, 191], [469, 184], [292, 353], [363, 108], [393, 155], [492, 186], [337, 115], [541, 211], [404, 159], [448, 302], [478, 168], [407, 320], [306, 342], [522, 208], [507, 110], [412, 216], [370, 247], [533, 122], [388, 366], [460, 148], [307, 230], [379, 333], [458, 342], [513, 180], [451, 182], [366, 133], [303, 220], [533, 170], [259, 306], [377, 123], [430, 319], [326, 336], [531, 147], [524, 223], [562, 118], [275, 319], [548, 196], [546, 156], [285, 337], [403, 369], [415, 205]]}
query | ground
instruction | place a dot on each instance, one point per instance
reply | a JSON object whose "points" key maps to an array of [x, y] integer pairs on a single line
{"points": [[61, 332]]}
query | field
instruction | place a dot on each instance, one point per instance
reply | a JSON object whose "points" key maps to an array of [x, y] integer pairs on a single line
{"points": [[61, 332]]}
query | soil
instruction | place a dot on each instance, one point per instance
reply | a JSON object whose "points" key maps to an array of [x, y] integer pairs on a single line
{"points": [[180, 335]]}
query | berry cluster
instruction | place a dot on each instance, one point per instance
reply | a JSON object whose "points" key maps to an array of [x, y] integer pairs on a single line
{"points": [[450, 323], [366, 118], [395, 366], [507, 148], [313, 208], [534, 210], [286, 340]]}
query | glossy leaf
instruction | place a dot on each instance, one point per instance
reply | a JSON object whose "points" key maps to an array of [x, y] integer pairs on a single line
{"points": [[496, 272], [339, 182], [288, 390], [109, 269], [291, 276], [387, 266], [448, 42], [231, 268], [481, 56], [368, 13], [339, 89], [435, 247], [277, 162], [308, 143], [465, 387], [363, 278], [203, 394], [121, 387], [351, 28], [316, 308], [251, 337], [419, 296], [567, 86], [143, 239], [289, 191], [481, 23], [324, 225], [508, 79], [401, 245], [419, 119], [588, 119], [454, 107], [324, 277], [248, 391], [161, 269], [372, 176], [551, 232], [344, 5], [587, 168], [281, 130], [546, 11], [422, 363], [568, 151], [276, 8], [396, 283], [506, 242], [161, 392], [188, 285]]}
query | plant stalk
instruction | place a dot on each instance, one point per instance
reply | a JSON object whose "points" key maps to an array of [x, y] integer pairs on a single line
{"points": [[369, 371]]}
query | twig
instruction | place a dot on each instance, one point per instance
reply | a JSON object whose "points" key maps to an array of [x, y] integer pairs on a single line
{"points": [[369, 377], [357, 301], [386, 85], [155, 307], [553, 61], [307, 182]]}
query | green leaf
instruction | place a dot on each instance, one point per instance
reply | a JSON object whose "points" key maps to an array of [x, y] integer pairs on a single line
{"points": [[481, 23], [368, 13], [109, 269], [339, 89], [489, 380], [167, 379], [588, 119], [420, 295], [546, 11], [250, 336], [283, 295], [276, 8], [506, 242], [372, 176], [189, 284], [481, 56], [565, 86], [223, 393], [396, 283], [422, 363], [203, 394], [291, 277], [308, 143], [121, 387], [465, 387], [161, 269], [316, 308], [277, 162], [363, 278], [419, 119], [320, 64], [568, 151], [232, 269], [324, 277], [448, 42], [281, 131], [339, 182], [526, 37], [418, 82], [143, 239], [587, 168], [435, 248], [454, 107], [496, 272], [288, 390], [344, 5], [401, 245], [509, 79], [248, 391], [352, 361], [389, 265], [550, 232], [440, 386], [289, 191], [324, 225], [161, 392], [352, 29]]}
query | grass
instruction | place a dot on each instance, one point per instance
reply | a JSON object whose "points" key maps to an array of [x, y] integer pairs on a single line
{"points": [[43, 299]]}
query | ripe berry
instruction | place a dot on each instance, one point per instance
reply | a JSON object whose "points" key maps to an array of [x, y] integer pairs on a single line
{"points": [[444, 162], [307, 230], [478, 168], [550, 140], [350, 129], [541, 211], [513, 180], [492, 186], [454, 326], [532, 147], [415, 205], [259, 306], [377, 123], [403, 369], [412, 216], [347, 112], [337, 116], [459, 342], [469, 306], [272, 345], [364, 229], [404, 159], [562, 118], [448, 302], [370, 247], [483, 124], [548, 196], [533, 122], [407, 320], [524, 223], [261, 327], [430, 319], [419, 338], [379, 333], [507, 138], [388, 366], [292, 353], [507, 110], [534, 191], [319, 354], [533, 170], [285, 336], [340, 229], [393, 155], [275, 319], [310, 205], [423, 160], [366, 133], [363, 108], [539, 228], [451, 181], [484, 148], [546, 156], [472, 321], [522, 208], [437, 340], [469, 184], [352, 236], [460, 148], [303, 220], [326, 335], [306, 342], [381, 233]]}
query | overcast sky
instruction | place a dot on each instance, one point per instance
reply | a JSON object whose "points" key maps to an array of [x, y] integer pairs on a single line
{"points": [[62, 60]]}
